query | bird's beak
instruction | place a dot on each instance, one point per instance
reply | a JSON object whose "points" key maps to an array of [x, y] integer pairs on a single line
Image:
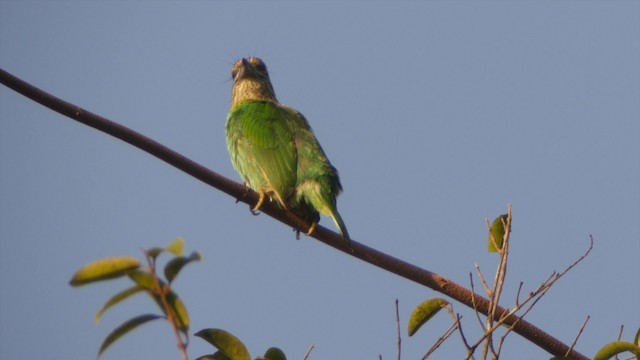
{"points": [[246, 70]]}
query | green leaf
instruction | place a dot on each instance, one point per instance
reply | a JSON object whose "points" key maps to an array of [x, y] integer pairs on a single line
{"points": [[179, 311], [218, 355], [123, 329], [177, 308], [423, 312], [224, 341], [176, 264], [143, 279], [612, 349], [636, 339], [117, 298], [176, 247], [154, 252], [274, 354], [497, 233], [104, 269]]}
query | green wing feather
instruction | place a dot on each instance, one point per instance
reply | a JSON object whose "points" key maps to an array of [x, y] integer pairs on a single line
{"points": [[262, 149], [318, 183], [313, 163]]}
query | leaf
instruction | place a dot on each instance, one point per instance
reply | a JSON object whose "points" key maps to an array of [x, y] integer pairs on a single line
{"points": [[143, 279], [176, 247], [104, 269], [218, 355], [612, 349], [179, 311], [497, 232], [117, 298], [174, 266], [224, 341], [154, 252], [274, 354], [423, 312], [177, 308], [124, 328], [636, 339]]}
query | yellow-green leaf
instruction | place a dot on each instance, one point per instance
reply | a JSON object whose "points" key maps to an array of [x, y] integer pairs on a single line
{"points": [[124, 328], [612, 349], [177, 308], [142, 279], [218, 355], [224, 341], [173, 267], [117, 298], [423, 312], [636, 339], [496, 233], [274, 354], [176, 247], [154, 252], [179, 311], [104, 269]]}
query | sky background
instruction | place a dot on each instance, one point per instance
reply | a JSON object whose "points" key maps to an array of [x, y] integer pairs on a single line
{"points": [[437, 115]]}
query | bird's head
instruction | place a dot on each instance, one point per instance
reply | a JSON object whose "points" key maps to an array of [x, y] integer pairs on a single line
{"points": [[251, 81]]}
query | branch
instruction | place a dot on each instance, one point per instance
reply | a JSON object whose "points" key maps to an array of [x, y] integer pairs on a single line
{"points": [[239, 191]]}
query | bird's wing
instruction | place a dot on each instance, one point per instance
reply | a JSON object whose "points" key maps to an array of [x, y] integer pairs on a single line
{"points": [[312, 161], [265, 152]]}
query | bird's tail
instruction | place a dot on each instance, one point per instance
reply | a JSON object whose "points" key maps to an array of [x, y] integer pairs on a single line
{"points": [[337, 219]]}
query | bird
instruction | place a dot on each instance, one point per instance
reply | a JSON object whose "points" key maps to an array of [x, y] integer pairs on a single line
{"points": [[275, 152]]}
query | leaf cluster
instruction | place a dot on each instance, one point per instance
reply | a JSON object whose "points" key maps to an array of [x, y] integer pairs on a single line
{"points": [[145, 280]]}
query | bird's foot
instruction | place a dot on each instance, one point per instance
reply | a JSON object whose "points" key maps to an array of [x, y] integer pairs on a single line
{"points": [[255, 209], [312, 228]]}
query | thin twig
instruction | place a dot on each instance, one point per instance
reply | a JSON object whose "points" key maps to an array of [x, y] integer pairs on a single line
{"points": [[483, 281], [306, 355], [575, 341], [473, 300], [498, 283], [398, 329], [619, 338], [458, 324], [162, 292], [518, 293], [620, 332], [440, 340]]}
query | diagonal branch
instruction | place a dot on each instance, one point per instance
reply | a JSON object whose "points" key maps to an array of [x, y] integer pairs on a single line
{"points": [[408, 271]]}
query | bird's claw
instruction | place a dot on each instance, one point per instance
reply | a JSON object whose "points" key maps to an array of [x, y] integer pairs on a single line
{"points": [[258, 205], [312, 228]]}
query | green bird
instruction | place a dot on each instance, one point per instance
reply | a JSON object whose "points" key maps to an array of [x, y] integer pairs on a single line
{"points": [[275, 152]]}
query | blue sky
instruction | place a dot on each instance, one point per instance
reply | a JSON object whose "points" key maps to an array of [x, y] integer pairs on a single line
{"points": [[437, 115]]}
